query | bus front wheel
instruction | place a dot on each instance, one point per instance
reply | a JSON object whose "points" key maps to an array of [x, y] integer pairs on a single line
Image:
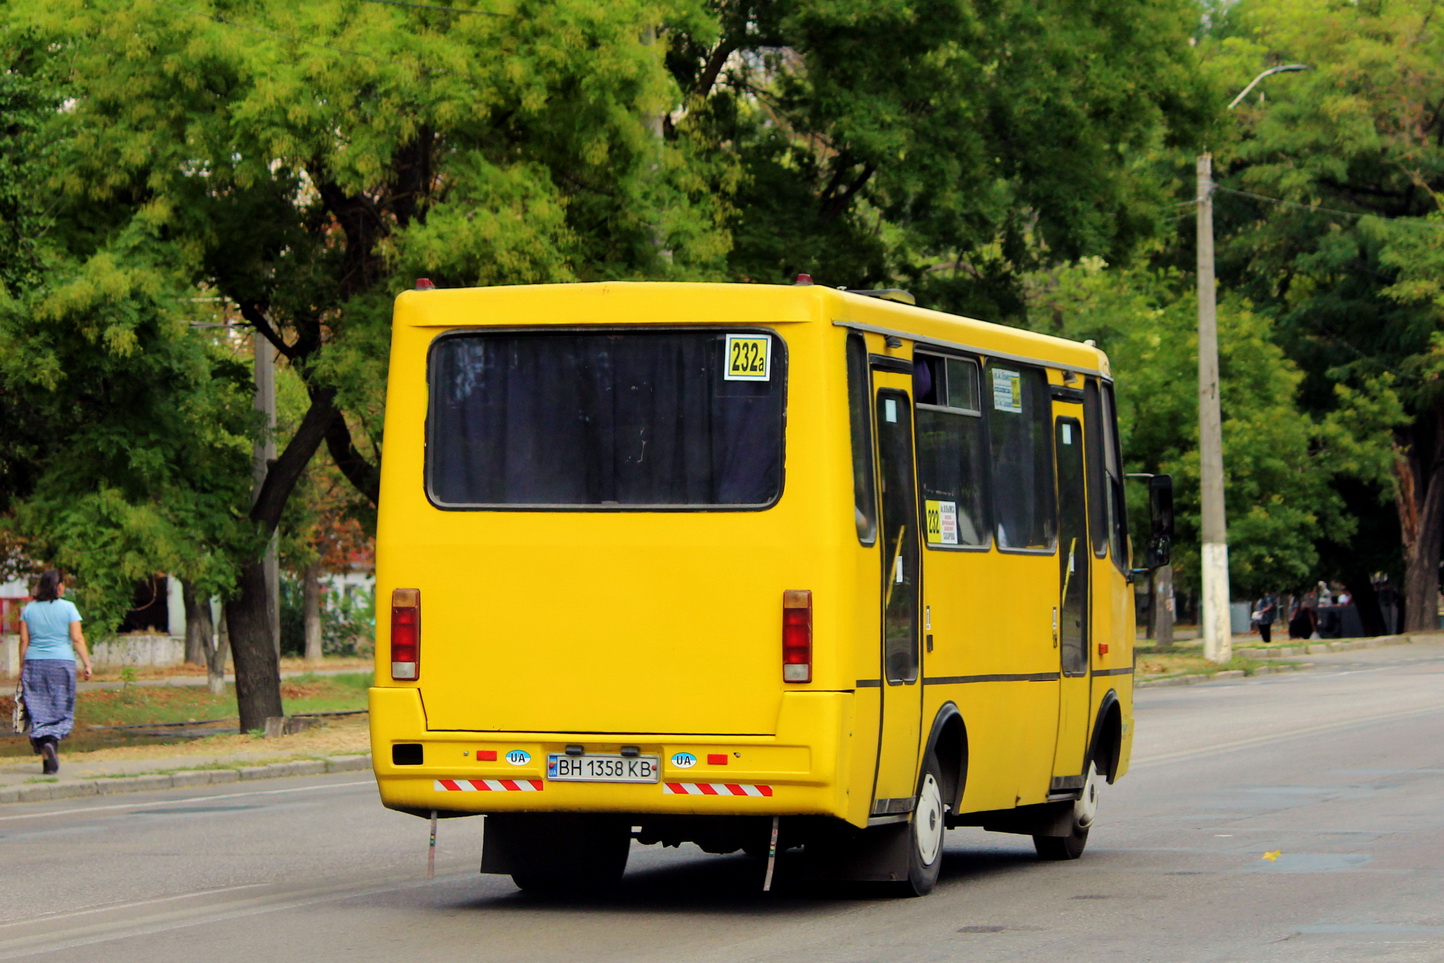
{"points": [[925, 836], [1085, 810]]}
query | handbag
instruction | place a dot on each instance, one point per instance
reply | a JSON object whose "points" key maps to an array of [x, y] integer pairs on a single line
{"points": [[20, 716]]}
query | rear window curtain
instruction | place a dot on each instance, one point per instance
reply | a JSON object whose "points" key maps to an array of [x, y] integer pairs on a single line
{"points": [[601, 419]]}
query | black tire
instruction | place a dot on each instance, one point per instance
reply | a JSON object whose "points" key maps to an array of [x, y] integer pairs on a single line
{"points": [[926, 829], [1085, 810], [590, 861]]}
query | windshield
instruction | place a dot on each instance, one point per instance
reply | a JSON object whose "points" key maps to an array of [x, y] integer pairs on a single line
{"points": [[635, 419]]}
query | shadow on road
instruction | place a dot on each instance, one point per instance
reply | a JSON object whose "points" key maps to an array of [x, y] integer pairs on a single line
{"points": [[727, 885]]}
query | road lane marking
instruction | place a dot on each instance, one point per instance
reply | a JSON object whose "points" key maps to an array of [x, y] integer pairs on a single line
{"points": [[185, 917], [112, 907], [173, 802]]}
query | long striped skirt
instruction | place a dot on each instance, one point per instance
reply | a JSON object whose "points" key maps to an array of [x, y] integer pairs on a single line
{"points": [[49, 697]]}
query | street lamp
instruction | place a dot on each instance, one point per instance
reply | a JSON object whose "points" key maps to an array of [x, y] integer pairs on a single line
{"points": [[1217, 635]]}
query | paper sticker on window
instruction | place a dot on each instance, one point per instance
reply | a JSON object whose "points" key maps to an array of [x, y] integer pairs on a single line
{"points": [[942, 522], [749, 357], [1007, 391], [1067, 433]]}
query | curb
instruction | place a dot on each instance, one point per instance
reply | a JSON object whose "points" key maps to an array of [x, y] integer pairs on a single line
{"points": [[187, 779], [1316, 648], [1227, 676], [1286, 652]]}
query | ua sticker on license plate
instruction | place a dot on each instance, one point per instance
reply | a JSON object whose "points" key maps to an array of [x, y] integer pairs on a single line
{"points": [[594, 767]]}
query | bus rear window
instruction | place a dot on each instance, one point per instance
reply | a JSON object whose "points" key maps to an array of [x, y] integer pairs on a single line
{"points": [[606, 420]]}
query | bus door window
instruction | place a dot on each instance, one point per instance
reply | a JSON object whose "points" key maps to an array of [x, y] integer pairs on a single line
{"points": [[1073, 548], [864, 487], [900, 537]]}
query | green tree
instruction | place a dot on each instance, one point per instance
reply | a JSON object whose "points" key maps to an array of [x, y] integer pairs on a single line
{"points": [[26, 97], [307, 161], [141, 450], [1323, 181], [948, 144], [1281, 463]]}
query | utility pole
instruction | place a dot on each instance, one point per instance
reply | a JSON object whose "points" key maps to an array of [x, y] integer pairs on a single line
{"points": [[1217, 633]]}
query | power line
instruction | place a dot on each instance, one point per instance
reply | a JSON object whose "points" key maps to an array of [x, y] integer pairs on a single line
{"points": [[1419, 222]]}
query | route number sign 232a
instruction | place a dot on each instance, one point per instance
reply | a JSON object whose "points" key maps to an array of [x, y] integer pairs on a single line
{"points": [[749, 357]]}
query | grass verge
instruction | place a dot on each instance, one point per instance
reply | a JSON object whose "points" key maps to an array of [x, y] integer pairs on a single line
{"points": [[1177, 660]]}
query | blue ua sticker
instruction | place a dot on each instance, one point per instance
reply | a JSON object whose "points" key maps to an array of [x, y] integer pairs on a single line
{"points": [[684, 760], [518, 757]]}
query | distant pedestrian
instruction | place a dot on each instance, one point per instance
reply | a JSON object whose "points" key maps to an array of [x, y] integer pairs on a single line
{"points": [[1302, 625], [50, 639], [1264, 614]]}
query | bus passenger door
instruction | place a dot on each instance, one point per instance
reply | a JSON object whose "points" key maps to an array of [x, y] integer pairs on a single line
{"points": [[901, 580], [1074, 555]]}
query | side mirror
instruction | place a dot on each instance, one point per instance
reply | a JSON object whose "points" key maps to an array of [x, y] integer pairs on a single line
{"points": [[1159, 550]]}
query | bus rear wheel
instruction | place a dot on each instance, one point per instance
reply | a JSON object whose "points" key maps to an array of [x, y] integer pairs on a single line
{"points": [[575, 856], [925, 830], [1085, 810]]}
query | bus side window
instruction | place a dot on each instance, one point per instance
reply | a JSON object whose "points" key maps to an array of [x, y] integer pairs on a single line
{"points": [[1098, 491], [1020, 427], [951, 453], [859, 409], [1117, 506]]}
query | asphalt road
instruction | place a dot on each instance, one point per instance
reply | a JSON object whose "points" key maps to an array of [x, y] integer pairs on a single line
{"points": [[1293, 816]]}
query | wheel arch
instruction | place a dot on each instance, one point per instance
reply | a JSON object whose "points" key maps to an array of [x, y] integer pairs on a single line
{"points": [[948, 740], [1106, 746]]}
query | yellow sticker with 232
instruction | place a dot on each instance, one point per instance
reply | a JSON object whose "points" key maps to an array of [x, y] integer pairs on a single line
{"points": [[749, 357]]}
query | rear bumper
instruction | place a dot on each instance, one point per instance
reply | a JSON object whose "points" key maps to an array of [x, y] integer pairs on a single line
{"points": [[797, 771]]}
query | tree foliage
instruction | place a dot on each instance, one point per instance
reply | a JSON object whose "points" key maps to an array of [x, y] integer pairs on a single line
{"points": [[1280, 462], [1327, 183], [948, 144]]}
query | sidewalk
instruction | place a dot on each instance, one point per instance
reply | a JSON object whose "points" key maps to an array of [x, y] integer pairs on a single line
{"points": [[21, 781]]}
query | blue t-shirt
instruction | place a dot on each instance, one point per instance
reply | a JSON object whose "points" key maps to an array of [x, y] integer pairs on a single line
{"points": [[49, 624]]}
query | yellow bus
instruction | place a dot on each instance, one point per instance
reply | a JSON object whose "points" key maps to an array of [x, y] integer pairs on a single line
{"points": [[756, 567]]}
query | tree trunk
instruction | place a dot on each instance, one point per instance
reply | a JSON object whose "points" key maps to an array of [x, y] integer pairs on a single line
{"points": [[253, 646], [311, 605], [198, 624], [216, 657], [258, 670], [1422, 526]]}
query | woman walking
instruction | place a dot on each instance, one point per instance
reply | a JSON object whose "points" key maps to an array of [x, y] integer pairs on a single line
{"points": [[50, 638]]}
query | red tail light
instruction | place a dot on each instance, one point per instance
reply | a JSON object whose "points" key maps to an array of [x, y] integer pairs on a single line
{"points": [[797, 635], [406, 634]]}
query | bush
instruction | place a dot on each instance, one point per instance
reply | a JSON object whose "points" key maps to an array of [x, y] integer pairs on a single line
{"points": [[348, 620]]}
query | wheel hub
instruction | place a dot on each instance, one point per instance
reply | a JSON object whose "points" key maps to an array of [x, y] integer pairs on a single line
{"points": [[928, 820], [1086, 808]]}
